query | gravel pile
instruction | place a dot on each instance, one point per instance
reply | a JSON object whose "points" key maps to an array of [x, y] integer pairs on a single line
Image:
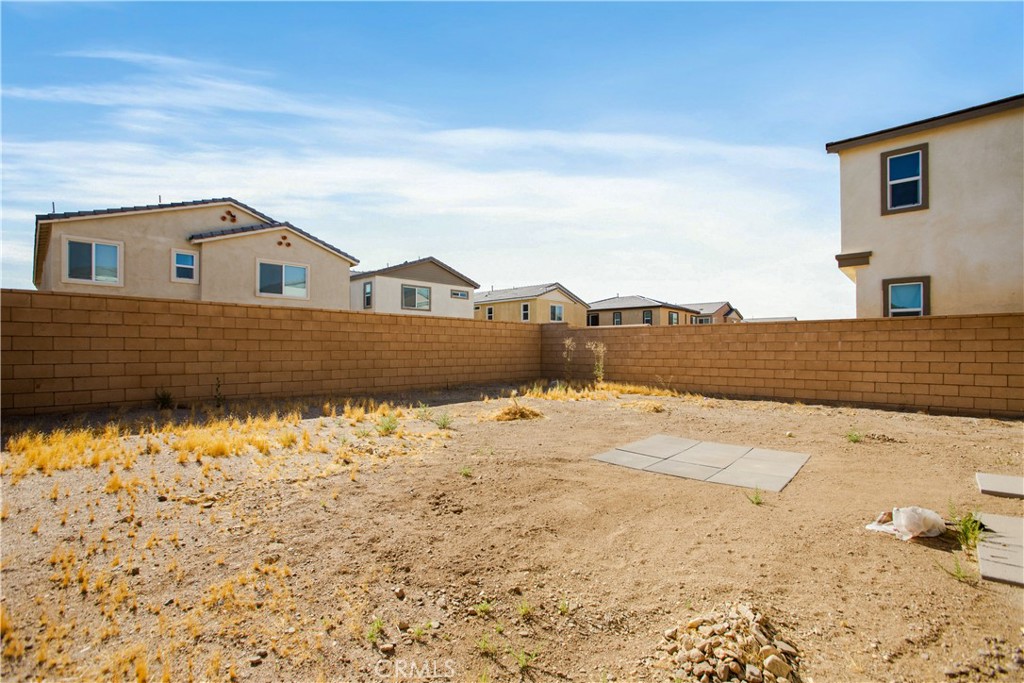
{"points": [[733, 643]]}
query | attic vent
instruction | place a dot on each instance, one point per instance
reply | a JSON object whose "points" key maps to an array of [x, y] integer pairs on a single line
{"points": [[284, 241], [229, 216]]}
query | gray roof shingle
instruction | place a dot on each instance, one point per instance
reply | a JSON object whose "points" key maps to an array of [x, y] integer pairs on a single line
{"points": [[528, 292], [634, 301]]}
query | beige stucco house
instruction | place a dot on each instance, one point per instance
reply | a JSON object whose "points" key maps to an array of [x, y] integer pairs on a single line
{"points": [[637, 310], [426, 286], [547, 303], [205, 250], [714, 312], [933, 213]]}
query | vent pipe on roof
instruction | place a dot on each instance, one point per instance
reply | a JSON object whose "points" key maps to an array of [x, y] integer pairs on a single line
{"points": [[53, 207]]}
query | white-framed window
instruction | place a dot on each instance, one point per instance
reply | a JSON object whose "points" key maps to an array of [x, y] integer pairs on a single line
{"points": [[593, 319], [490, 312], [617, 318], [415, 298], [557, 313], [98, 262], [673, 317], [702, 320], [368, 294], [460, 294], [648, 317], [525, 313], [906, 297], [276, 279], [905, 179], [184, 266]]}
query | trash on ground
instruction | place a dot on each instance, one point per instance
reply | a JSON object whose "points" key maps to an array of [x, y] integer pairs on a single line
{"points": [[910, 522]]}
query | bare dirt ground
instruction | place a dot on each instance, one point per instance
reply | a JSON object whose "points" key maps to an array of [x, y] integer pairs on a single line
{"points": [[499, 550]]}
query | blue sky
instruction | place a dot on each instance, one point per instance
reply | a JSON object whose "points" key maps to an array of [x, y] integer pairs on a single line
{"points": [[673, 150]]}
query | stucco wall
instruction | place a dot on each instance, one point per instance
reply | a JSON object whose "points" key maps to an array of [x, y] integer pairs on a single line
{"points": [[970, 239], [387, 297], [573, 313], [230, 270], [148, 239], [635, 316]]}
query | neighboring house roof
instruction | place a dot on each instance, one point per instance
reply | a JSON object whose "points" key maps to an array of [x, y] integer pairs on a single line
{"points": [[413, 264], [980, 110], [518, 293], [633, 301], [227, 233], [42, 242], [709, 308], [152, 207]]}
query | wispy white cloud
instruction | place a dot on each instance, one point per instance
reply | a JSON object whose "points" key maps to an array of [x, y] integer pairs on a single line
{"points": [[675, 218]]}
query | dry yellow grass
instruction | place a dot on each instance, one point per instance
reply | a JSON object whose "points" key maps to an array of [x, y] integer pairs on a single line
{"points": [[646, 406], [599, 391], [515, 411]]}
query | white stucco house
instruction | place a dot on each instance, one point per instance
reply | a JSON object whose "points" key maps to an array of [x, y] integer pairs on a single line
{"points": [[933, 213], [425, 286]]}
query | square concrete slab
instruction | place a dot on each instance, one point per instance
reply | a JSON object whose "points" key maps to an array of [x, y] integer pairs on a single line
{"points": [[659, 446], [627, 459], [711, 454], [750, 480], [678, 468], [1001, 551], [770, 462], [1005, 485], [781, 457]]}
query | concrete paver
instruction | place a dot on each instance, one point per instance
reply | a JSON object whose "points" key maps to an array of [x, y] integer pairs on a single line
{"points": [[719, 463]]}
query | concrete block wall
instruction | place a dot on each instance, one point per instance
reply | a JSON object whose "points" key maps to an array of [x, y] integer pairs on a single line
{"points": [[68, 352], [971, 365]]}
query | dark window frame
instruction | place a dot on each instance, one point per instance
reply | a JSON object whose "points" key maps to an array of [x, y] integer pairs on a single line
{"points": [[926, 295], [430, 298], [368, 294], [616, 317], [888, 210]]}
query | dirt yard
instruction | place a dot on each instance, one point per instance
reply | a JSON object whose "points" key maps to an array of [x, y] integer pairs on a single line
{"points": [[435, 542]]}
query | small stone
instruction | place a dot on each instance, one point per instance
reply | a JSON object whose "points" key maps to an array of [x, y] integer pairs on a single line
{"points": [[767, 651], [672, 648], [670, 634], [161, 498], [400, 593], [403, 625], [703, 669], [134, 571], [786, 648], [695, 655], [290, 630], [736, 668], [752, 674], [722, 671], [255, 661], [694, 623], [387, 648], [262, 653], [442, 602], [777, 666]]}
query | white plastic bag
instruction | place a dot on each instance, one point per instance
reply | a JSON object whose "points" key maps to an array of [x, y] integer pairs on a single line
{"points": [[910, 522]]}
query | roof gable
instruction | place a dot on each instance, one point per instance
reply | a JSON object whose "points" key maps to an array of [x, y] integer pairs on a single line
{"points": [[528, 292], [634, 301], [427, 269], [228, 233]]}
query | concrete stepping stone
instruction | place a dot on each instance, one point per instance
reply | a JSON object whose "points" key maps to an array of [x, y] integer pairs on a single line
{"points": [[1005, 485], [712, 454], [659, 446], [679, 468], [750, 480], [627, 459], [1001, 552]]}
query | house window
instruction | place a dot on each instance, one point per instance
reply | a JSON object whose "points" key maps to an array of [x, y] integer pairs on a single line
{"points": [[283, 279], [557, 311], [617, 318], [490, 312], [907, 296], [593, 319], [368, 294], [93, 261], [905, 179], [526, 313], [648, 317], [673, 318], [416, 298], [184, 266], [460, 294], [702, 320]]}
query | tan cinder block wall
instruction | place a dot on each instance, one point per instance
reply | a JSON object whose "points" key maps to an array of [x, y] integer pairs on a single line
{"points": [[971, 365], [67, 352]]}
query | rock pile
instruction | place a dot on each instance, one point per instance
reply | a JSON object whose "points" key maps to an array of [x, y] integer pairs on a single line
{"points": [[732, 643]]}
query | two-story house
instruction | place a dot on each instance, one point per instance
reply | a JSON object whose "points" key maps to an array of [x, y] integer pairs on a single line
{"points": [[205, 250], [714, 312], [426, 286], [637, 310], [547, 303], [933, 213]]}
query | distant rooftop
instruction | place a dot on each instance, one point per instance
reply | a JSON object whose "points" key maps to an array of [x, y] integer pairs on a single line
{"points": [[634, 301], [527, 292], [152, 207], [260, 227]]}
